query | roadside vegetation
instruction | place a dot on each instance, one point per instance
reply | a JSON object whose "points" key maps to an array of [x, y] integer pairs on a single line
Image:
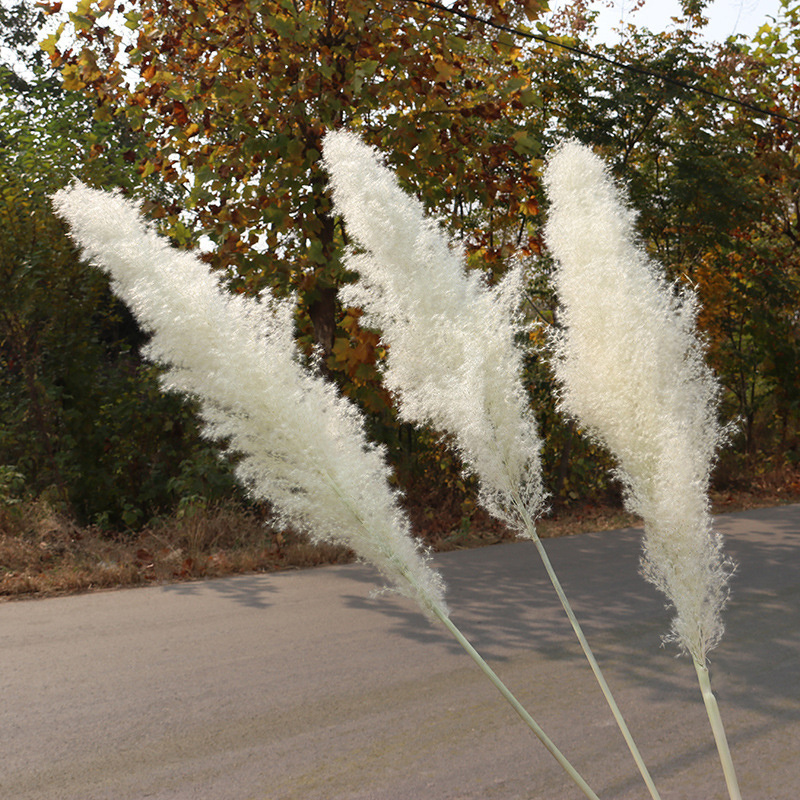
{"points": [[44, 553]]}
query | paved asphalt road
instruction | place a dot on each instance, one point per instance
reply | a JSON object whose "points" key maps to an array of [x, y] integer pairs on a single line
{"points": [[303, 685]]}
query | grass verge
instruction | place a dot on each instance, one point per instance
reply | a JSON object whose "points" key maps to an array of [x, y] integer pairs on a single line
{"points": [[44, 553]]}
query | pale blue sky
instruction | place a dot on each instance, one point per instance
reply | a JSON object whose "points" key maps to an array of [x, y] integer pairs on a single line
{"points": [[726, 17]]}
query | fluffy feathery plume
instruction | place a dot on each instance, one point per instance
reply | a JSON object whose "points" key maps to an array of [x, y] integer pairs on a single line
{"points": [[301, 446], [452, 361], [632, 373]]}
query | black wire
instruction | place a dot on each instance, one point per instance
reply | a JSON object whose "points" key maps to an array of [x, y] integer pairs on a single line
{"points": [[600, 57]]}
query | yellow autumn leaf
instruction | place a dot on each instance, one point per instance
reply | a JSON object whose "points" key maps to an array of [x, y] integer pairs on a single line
{"points": [[444, 70]]}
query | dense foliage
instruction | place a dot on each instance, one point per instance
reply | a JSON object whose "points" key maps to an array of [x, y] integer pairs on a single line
{"points": [[716, 185], [213, 111], [83, 420]]}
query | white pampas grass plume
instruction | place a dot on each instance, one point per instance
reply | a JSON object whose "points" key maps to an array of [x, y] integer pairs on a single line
{"points": [[632, 372], [452, 360], [301, 445]]}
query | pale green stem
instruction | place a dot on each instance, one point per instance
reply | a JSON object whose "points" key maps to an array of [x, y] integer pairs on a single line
{"points": [[637, 756], [712, 709], [441, 614], [515, 704]]}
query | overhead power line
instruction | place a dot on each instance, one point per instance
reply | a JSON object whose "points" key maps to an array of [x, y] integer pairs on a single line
{"points": [[582, 51]]}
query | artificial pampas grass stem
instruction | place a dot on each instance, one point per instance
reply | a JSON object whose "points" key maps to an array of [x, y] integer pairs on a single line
{"points": [[712, 709], [516, 705], [301, 445], [632, 371], [530, 532], [414, 285]]}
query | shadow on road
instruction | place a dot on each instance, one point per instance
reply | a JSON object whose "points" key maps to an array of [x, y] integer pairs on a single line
{"points": [[501, 598], [251, 591]]}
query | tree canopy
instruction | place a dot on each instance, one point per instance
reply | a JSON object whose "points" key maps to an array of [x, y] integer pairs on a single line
{"points": [[216, 109], [234, 97], [73, 392]]}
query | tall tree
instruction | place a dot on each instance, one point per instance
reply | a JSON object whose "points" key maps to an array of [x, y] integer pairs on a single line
{"points": [[234, 96]]}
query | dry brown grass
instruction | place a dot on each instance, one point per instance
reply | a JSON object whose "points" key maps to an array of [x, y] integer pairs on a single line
{"points": [[43, 553], [772, 488]]}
